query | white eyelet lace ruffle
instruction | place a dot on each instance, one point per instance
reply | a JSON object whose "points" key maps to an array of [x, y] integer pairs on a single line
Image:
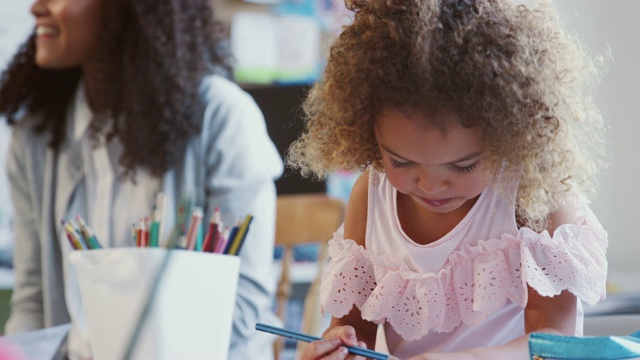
{"points": [[475, 281]]}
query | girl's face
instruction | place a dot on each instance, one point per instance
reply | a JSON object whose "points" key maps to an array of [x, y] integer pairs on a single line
{"points": [[441, 169], [67, 32]]}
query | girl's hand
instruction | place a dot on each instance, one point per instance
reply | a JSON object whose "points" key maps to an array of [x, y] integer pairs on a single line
{"points": [[331, 346]]}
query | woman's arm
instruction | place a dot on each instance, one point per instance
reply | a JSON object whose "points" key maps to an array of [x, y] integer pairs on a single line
{"points": [[241, 166], [27, 300]]}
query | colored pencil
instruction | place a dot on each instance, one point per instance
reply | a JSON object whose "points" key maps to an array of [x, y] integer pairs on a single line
{"points": [[212, 234], [356, 350], [72, 240], [90, 237], [238, 240], [222, 242], [232, 235], [194, 228]]}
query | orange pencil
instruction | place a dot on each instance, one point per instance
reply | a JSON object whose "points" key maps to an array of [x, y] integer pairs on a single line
{"points": [[143, 234]]}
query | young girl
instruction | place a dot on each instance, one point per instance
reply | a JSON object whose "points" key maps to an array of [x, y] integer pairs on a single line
{"points": [[113, 101], [469, 228]]}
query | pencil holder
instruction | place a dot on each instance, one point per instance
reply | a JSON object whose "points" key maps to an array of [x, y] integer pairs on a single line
{"points": [[153, 303], [558, 347]]}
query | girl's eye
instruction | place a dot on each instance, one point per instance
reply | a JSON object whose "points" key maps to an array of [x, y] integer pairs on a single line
{"points": [[398, 164], [466, 169]]}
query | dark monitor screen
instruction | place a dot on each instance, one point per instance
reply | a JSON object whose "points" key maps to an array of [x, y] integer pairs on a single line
{"points": [[281, 108]]}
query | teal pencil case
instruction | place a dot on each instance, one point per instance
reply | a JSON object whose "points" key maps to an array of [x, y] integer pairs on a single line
{"points": [[557, 347]]}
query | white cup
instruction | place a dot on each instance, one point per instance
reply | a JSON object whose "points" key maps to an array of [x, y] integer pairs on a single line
{"points": [[189, 318]]}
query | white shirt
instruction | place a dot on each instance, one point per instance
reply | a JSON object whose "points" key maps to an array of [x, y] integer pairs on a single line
{"points": [[469, 288], [101, 198]]}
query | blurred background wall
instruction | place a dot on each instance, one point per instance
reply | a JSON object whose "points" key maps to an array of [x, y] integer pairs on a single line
{"points": [[613, 25], [604, 25]]}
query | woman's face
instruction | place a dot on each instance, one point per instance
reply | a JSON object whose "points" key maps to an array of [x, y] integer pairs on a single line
{"points": [[67, 32]]}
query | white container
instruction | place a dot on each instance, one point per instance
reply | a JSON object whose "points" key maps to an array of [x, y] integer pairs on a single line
{"points": [[189, 318]]}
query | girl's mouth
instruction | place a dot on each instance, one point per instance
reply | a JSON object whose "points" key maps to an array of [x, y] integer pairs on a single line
{"points": [[435, 203]]}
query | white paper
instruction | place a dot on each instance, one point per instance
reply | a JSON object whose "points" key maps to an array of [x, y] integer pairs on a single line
{"points": [[39, 344]]}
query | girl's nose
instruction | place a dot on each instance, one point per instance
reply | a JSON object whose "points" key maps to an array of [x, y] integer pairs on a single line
{"points": [[431, 183]]}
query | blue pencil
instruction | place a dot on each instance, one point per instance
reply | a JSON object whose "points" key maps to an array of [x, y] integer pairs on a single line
{"points": [[309, 338], [232, 235]]}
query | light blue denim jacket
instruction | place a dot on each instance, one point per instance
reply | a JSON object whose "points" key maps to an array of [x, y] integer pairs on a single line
{"points": [[232, 164]]}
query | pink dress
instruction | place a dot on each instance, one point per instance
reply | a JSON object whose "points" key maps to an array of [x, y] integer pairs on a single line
{"points": [[467, 289]]}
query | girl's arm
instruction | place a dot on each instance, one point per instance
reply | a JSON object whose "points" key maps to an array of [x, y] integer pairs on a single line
{"points": [[350, 329], [555, 315], [355, 225]]}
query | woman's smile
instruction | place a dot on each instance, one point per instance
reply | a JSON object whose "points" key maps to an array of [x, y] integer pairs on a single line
{"points": [[46, 31]]}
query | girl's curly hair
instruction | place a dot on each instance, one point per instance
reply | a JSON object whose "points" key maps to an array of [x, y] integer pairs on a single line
{"points": [[150, 62], [525, 80]]}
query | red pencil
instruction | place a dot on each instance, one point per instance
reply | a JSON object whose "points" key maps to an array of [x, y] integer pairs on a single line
{"points": [[218, 236], [212, 234]]}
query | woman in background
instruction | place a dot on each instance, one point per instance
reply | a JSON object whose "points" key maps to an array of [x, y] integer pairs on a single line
{"points": [[113, 102]]}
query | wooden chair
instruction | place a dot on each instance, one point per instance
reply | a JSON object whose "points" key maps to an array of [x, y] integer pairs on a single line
{"points": [[304, 219]]}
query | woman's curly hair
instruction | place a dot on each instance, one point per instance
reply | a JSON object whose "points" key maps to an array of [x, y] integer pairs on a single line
{"points": [[151, 58], [526, 82]]}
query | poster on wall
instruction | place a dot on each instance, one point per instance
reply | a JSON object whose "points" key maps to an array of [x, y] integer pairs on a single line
{"points": [[16, 23]]}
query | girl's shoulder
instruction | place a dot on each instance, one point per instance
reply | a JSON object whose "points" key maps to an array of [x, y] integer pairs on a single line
{"points": [[357, 210]]}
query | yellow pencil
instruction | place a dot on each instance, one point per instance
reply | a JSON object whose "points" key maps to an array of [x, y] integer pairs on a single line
{"points": [[238, 239]]}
